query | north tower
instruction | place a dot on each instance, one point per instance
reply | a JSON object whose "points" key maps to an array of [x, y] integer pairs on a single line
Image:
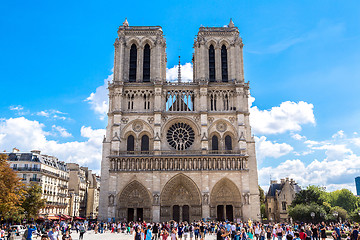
{"points": [[178, 150]]}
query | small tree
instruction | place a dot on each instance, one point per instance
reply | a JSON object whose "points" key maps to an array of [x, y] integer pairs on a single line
{"points": [[12, 191], [302, 212], [33, 201]]}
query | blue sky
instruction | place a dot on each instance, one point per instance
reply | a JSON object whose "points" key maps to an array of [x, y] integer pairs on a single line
{"points": [[302, 59]]}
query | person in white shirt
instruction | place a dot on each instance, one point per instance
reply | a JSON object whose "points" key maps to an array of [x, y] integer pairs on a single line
{"points": [[53, 234]]}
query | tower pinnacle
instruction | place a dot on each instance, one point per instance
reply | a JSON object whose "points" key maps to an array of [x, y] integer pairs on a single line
{"points": [[179, 71]]}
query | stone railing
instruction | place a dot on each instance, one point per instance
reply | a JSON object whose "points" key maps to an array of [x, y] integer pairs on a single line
{"points": [[177, 163], [241, 152]]}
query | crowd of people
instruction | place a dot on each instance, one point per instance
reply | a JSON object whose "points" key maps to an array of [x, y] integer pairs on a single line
{"points": [[189, 231]]}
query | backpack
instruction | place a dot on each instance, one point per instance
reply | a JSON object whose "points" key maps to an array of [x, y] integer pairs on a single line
{"points": [[24, 237]]}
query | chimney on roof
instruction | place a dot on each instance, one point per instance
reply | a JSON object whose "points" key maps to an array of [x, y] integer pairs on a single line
{"points": [[15, 150], [292, 181], [273, 181], [287, 179], [282, 181], [36, 151]]}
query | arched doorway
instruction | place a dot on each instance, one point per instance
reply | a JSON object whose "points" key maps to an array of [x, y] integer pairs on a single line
{"points": [[134, 203], [180, 200], [225, 201]]}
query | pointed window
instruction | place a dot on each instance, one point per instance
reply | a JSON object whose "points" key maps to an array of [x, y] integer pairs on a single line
{"points": [[144, 144], [133, 62], [214, 143], [228, 143], [130, 144], [212, 63], [224, 66], [146, 63]]}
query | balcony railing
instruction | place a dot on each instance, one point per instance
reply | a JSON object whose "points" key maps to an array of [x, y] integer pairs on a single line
{"points": [[35, 179], [28, 169], [240, 152]]}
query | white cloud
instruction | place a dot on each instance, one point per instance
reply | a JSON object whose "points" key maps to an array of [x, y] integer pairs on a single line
{"points": [[289, 116], [339, 134], [52, 114], [27, 135], [186, 73], [266, 148], [19, 110], [337, 170], [298, 136], [98, 100], [62, 131]]}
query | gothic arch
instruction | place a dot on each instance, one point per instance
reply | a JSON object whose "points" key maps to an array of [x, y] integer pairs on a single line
{"points": [[225, 194], [212, 42], [187, 120], [230, 128], [224, 42], [180, 191], [128, 128], [134, 197], [147, 41], [133, 40]]}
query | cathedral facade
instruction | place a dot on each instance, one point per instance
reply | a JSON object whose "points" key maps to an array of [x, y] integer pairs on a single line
{"points": [[178, 151]]}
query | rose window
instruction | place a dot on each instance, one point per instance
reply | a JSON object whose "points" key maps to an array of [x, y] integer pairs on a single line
{"points": [[180, 136]]}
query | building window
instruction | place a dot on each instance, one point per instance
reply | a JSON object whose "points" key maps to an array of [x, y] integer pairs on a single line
{"points": [[146, 64], [269, 210], [26, 166], [130, 143], [224, 67], [283, 206], [24, 176], [14, 166], [214, 143], [228, 143], [212, 63], [133, 63], [144, 143]]}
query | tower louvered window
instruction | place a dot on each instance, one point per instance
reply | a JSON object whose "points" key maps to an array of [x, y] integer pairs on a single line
{"points": [[224, 66], [212, 63], [133, 60], [146, 64]]}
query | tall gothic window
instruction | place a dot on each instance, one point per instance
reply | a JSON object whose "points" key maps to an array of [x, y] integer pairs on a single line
{"points": [[130, 143], [133, 61], [214, 143], [228, 143], [224, 66], [212, 63], [146, 63], [144, 143]]}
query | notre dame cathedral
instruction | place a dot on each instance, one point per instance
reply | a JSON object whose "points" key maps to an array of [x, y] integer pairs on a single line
{"points": [[178, 150]]}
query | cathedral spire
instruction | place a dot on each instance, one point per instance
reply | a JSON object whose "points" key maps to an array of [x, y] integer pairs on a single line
{"points": [[126, 23], [179, 71], [231, 24]]}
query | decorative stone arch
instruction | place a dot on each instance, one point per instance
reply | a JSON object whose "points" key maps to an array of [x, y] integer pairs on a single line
{"points": [[224, 42], [129, 127], [226, 194], [134, 199], [180, 191], [149, 41], [147, 133], [233, 139], [133, 40], [211, 134], [212, 42], [229, 127]]}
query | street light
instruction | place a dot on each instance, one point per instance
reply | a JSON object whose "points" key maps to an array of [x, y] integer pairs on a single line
{"points": [[312, 214], [336, 214]]}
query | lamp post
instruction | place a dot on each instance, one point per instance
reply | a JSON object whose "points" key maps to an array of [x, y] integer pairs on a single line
{"points": [[336, 214], [312, 214]]}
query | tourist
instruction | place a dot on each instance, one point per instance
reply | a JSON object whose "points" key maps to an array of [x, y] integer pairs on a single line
{"points": [[67, 236], [164, 234], [148, 233], [186, 231], [173, 234], [82, 230], [137, 234], [53, 234], [30, 231]]}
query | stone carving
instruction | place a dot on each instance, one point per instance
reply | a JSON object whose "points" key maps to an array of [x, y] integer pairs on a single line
{"points": [[221, 127], [156, 199], [246, 198], [111, 200], [206, 199], [232, 119], [164, 118], [150, 120], [210, 119], [137, 126], [197, 118], [124, 120]]}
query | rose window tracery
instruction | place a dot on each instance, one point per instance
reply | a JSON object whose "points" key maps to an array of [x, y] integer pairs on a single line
{"points": [[180, 136]]}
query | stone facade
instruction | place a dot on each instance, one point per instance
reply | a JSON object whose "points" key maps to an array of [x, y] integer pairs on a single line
{"points": [[279, 198], [93, 194], [178, 150], [47, 171]]}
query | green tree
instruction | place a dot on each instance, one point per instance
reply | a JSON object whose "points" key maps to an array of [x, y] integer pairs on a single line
{"points": [[12, 191], [355, 215], [33, 201], [302, 212], [312, 194], [262, 195], [345, 199]]}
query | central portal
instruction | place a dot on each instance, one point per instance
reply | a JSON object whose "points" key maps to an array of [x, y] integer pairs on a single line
{"points": [[180, 200]]}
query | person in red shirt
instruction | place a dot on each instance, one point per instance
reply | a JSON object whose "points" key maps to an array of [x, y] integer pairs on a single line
{"points": [[302, 234]]}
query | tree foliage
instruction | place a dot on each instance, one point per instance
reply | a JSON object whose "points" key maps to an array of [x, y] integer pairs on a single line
{"points": [[345, 199], [302, 212], [33, 201], [12, 191], [262, 195], [312, 194]]}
